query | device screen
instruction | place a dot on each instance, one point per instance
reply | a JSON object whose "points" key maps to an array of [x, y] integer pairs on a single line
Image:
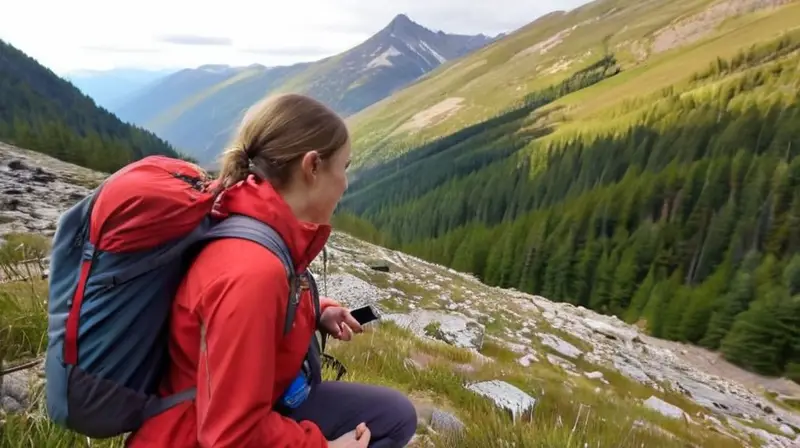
{"points": [[364, 315]]}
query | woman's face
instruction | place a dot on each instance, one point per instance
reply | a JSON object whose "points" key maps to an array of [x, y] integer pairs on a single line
{"points": [[328, 184]]}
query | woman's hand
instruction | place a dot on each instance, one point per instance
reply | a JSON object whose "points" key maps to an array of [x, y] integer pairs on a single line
{"points": [[358, 438], [339, 323]]}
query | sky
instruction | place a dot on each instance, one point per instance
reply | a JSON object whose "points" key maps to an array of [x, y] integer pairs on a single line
{"points": [[154, 34]]}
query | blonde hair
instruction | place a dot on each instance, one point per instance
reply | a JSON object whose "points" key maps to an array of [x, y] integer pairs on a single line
{"points": [[275, 133]]}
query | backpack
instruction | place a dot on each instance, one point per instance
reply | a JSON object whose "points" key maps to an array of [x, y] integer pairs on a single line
{"points": [[118, 258]]}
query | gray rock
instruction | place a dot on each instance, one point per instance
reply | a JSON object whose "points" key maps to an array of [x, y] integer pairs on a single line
{"points": [[610, 331], [35, 189], [505, 396], [786, 429], [446, 422], [16, 386], [664, 408], [11, 405], [526, 360], [561, 362], [769, 439], [632, 369], [351, 290], [561, 346], [453, 328]]}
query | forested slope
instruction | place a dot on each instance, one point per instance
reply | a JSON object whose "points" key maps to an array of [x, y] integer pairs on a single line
{"points": [[45, 113], [679, 210]]}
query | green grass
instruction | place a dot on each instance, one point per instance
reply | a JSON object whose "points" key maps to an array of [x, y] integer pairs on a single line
{"points": [[789, 405], [569, 411]]}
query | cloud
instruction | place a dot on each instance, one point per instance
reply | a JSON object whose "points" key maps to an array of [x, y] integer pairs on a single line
{"points": [[242, 32], [189, 39], [310, 51], [118, 49]]}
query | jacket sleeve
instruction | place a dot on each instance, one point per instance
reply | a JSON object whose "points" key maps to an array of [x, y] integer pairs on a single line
{"points": [[242, 323]]}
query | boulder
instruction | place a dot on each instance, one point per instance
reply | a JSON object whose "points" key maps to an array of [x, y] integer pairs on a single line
{"points": [[505, 396], [351, 290], [452, 328], [664, 408], [15, 391]]}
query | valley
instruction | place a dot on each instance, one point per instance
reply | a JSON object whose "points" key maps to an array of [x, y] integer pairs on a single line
{"points": [[674, 208], [197, 110]]}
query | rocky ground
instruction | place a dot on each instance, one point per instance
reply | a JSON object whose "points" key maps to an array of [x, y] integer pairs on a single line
{"points": [[437, 303], [35, 189]]}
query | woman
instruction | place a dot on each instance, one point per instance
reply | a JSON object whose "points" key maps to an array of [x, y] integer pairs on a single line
{"points": [[285, 168]]}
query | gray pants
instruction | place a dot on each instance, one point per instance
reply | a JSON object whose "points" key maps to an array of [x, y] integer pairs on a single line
{"points": [[337, 407]]}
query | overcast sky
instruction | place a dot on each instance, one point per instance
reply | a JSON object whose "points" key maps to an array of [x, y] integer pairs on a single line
{"points": [[102, 34]]}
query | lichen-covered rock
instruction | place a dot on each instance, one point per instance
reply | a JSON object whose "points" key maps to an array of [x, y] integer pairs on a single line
{"points": [[453, 328], [15, 391], [505, 396], [442, 421]]}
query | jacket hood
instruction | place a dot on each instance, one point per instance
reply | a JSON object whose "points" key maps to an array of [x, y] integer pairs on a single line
{"points": [[259, 200]]}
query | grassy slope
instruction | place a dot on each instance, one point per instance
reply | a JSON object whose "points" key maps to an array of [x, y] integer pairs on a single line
{"points": [[494, 79], [571, 410]]}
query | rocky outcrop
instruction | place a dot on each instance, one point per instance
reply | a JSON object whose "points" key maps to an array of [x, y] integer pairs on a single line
{"points": [[690, 29], [453, 328], [35, 189]]}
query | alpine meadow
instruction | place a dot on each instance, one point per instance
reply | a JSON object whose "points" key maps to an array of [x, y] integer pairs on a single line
{"points": [[631, 186]]}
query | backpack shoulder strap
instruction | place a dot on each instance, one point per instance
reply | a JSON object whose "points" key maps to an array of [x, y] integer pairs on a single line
{"points": [[244, 227], [317, 308]]}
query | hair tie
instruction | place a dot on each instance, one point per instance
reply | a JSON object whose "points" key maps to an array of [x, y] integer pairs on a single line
{"points": [[246, 152]]}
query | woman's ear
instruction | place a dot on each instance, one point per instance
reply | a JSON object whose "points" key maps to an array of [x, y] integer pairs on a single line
{"points": [[310, 164]]}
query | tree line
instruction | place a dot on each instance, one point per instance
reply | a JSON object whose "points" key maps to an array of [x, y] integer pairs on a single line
{"points": [[45, 113]]}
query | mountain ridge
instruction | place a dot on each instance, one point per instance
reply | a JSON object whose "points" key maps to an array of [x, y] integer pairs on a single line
{"points": [[44, 112], [197, 110], [111, 88]]}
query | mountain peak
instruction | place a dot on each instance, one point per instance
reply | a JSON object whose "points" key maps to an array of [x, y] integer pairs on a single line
{"points": [[401, 19], [403, 24]]}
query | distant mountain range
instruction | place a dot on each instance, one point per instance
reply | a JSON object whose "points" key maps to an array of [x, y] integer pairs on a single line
{"points": [[197, 109], [112, 88]]}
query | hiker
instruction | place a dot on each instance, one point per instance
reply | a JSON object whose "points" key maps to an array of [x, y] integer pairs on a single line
{"points": [[286, 167]]}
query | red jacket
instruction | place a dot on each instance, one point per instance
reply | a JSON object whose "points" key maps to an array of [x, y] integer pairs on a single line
{"points": [[239, 290]]}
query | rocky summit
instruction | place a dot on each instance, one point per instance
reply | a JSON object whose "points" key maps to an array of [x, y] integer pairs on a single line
{"points": [[674, 389]]}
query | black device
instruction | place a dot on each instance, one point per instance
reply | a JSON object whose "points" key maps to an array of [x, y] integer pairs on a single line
{"points": [[365, 314]]}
